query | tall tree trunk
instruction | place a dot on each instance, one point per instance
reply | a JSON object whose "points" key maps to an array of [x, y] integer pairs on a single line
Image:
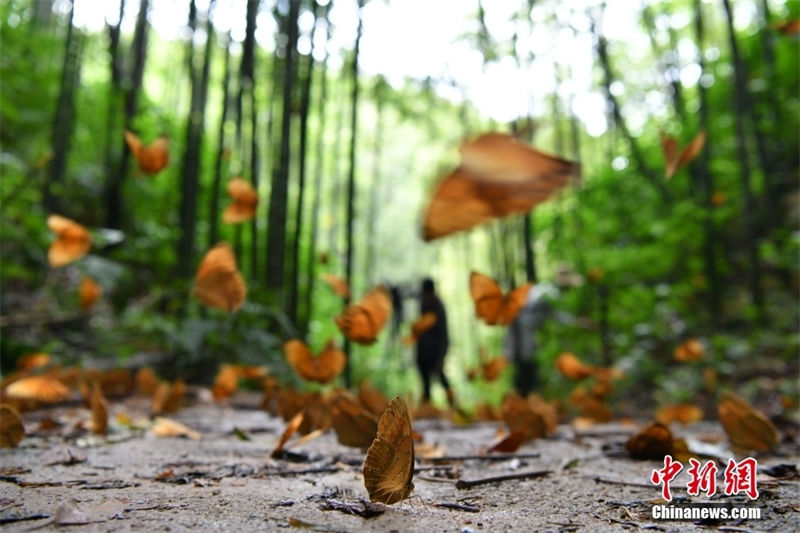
{"points": [[305, 103], [116, 179], [276, 232], [213, 215], [113, 131], [608, 79], [706, 179], [316, 187], [751, 224], [65, 111], [351, 182], [670, 69], [190, 168]]}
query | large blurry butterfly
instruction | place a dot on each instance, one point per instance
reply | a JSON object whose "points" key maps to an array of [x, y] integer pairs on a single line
{"points": [[323, 368], [498, 176], [570, 366], [38, 388], [72, 241], [153, 158], [362, 322], [491, 305], [218, 282], [746, 427], [244, 202], [488, 369], [669, 146], [389, 466]]}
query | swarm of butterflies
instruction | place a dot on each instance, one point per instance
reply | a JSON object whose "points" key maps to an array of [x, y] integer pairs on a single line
{"points": [[498, 176]]}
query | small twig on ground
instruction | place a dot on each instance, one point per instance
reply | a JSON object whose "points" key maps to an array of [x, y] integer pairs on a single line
{"points": [[493, 457], [14, 519], [467, 484], [620, 482], [320, 470], [459, 506]]}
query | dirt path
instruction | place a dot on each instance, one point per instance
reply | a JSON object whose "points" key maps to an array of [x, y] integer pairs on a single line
{"points": [[134, 481]]}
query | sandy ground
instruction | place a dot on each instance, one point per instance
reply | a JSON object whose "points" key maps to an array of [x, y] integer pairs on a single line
{"points": [[134, 481]]}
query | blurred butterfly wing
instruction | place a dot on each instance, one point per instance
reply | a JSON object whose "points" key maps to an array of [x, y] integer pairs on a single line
{"points": [[134, 144], [362, 322], [692, 149], [389, 466], [154, 158], [338, 285], [499, 157], [245, 201], [745, 426], [299, 358], [487, 296], [218, 282], [89, 292], [329, 363], [495, 367], [669, 147], [456, 205], [354, 425], [73, 241], [38, 388], [514, 302], [423, 324]]}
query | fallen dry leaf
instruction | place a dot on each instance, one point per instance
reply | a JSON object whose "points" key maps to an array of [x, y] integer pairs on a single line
{"points": [[164, 427]]}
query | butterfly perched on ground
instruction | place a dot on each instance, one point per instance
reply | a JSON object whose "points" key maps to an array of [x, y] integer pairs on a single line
{"points": [[72, 241], [746, 427], [389, 466], [498, 176], [153, 158], [669, 146], [491, 305], [362, 322], [323, 368], [218, 283], [244, 202]]}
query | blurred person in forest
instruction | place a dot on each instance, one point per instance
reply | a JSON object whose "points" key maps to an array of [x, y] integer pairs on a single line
{"points": [[521, 343], [433, 343]]}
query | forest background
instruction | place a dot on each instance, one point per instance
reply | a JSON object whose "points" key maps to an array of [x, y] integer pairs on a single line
{"points": [[344, 158]]}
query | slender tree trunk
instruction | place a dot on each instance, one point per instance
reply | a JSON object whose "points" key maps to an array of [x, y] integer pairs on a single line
{"points": [[316, 187], [190, 168], [706, 179], [305, 103], [351, 182], [116, 179], [608, 79], [65, 112], [670, 69], [751, 224], [113, 131], [213, 215], [338, 176], [276, 232]]}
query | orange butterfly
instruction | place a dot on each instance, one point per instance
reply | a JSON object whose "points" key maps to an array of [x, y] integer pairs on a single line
{"points": [[389, 466], [654, 441], [39, 389], [488, 369], [420, 326], [362, 322], [89, 292], [789, 28], [152, 159], [669, 146], [72, 241], [354, 425], [323, 368], [11, 428], [684, 413], [689, 350], [572, 367], [218, 282], [498, 176], [338, 285], [491, 305], [746, 427], [245, 201]]}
